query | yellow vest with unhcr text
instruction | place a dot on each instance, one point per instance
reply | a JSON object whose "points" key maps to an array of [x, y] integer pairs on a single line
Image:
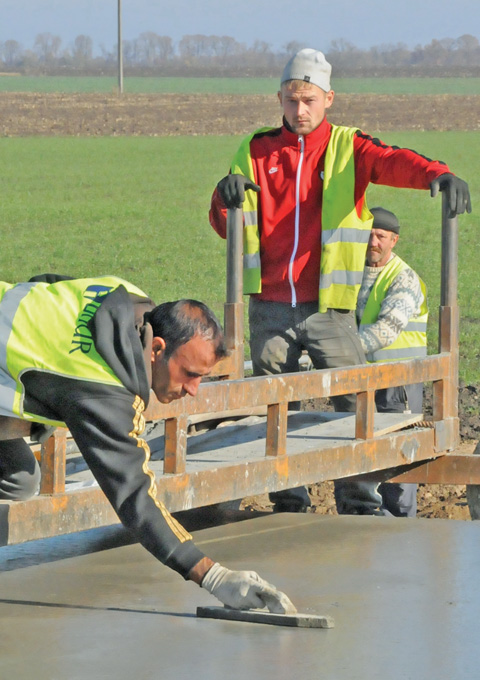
{"points": [[344, 234], [412, 341], [31, 315]]}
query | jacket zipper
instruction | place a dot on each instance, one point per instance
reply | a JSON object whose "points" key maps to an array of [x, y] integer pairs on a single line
{"points": [[298, 177]]}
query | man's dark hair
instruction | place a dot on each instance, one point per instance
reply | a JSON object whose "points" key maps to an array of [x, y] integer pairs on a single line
{"points": [[177, 322]]}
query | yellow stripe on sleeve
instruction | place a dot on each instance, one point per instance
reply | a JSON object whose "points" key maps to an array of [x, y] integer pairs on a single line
{"points": [[138, 429]]}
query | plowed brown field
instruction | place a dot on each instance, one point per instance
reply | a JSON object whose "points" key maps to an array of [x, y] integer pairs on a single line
{"points": [[23, 114]]}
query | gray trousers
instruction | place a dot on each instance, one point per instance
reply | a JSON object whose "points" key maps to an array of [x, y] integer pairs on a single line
{"points": [[19, 471], [391, 499], [278, 335]]}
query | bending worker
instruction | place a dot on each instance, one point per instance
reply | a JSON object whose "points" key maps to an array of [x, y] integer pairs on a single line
{"points": [[84, 353], [392, 315], [306, 226]]}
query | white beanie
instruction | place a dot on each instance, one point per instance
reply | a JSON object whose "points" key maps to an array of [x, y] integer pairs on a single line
{"points": [[308, 65]]}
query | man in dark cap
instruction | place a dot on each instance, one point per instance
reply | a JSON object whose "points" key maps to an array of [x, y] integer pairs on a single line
{"points": [[392, 317]]}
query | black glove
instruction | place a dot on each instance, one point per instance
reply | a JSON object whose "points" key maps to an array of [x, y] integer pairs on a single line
{"points": [[357, 498], [458, 194], [232, 189]]}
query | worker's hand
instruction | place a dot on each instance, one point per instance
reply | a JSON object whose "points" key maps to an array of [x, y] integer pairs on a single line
{"points": [[458, 194], [245, 590], [232, 189]]}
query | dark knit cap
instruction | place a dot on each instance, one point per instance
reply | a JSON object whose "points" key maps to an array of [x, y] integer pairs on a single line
{"points": [[384, 219]]}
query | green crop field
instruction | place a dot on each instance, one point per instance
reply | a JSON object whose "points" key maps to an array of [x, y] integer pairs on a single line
{"points": [[460, 86], [138, 208]]}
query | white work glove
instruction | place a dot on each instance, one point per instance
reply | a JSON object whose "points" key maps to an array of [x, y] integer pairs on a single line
{"points": [[245, 590]]}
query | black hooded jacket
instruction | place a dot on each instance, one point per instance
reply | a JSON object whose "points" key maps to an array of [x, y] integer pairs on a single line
{"points": [[106, 422]]}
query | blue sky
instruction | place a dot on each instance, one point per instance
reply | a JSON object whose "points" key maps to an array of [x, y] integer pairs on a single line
{"points": [[365, 23]]}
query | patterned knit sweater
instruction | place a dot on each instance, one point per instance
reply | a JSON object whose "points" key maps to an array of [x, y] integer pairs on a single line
{"points": [[402, 302]]}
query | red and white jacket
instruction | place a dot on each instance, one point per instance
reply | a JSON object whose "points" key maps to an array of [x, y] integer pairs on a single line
{"points": [[295, 245]]}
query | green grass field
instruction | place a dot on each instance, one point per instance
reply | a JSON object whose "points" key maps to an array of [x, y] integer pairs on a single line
{"points": [[138, 208], [465, 86]]}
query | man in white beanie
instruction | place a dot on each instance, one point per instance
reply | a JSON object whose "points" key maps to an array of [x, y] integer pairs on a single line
{"points": [[307, 225]]}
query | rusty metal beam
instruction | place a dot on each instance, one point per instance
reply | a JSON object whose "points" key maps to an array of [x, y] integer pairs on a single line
{"points": [[68, 512], [53, 463], [447, 434], [451, 468], [454, 468], [14, 428], [45, 516], [231, 394], [277, 415], [365, 415], [275, 392], [175, 444]]}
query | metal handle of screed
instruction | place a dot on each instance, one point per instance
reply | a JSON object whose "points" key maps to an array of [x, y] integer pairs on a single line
{"points": [[234, 255], [234, 309], [445, 402], [448, 297]]}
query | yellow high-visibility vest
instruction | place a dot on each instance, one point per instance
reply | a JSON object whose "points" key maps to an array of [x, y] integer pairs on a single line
{"points": [[344, 234], [31, 314], [412, 341]]}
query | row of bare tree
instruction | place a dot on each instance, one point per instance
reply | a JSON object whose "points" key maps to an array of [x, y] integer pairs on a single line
{"points": [[223, 55]]}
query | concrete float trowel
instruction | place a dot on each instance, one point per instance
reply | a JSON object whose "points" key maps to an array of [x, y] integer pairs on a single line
{"points": [[264, 616]]}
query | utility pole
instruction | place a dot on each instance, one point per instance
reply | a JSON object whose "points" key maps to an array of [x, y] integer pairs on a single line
{"points": [[120, 49]]}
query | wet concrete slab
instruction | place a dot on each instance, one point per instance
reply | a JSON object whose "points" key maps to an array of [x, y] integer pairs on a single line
{"points": [[404, 594]]}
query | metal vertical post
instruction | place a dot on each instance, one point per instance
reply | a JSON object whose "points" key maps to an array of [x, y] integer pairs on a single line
{"points": [[234, 326], [449, 257], [53, 463], [446, 391], [234, 255]]}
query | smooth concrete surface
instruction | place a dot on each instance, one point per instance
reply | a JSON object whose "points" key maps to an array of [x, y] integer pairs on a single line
{"points": [[404, 594]]}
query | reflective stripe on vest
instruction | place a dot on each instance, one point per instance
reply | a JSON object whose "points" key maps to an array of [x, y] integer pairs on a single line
{"points": [[412, 341], [344, 234], [242, 165], [30, 315]]}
